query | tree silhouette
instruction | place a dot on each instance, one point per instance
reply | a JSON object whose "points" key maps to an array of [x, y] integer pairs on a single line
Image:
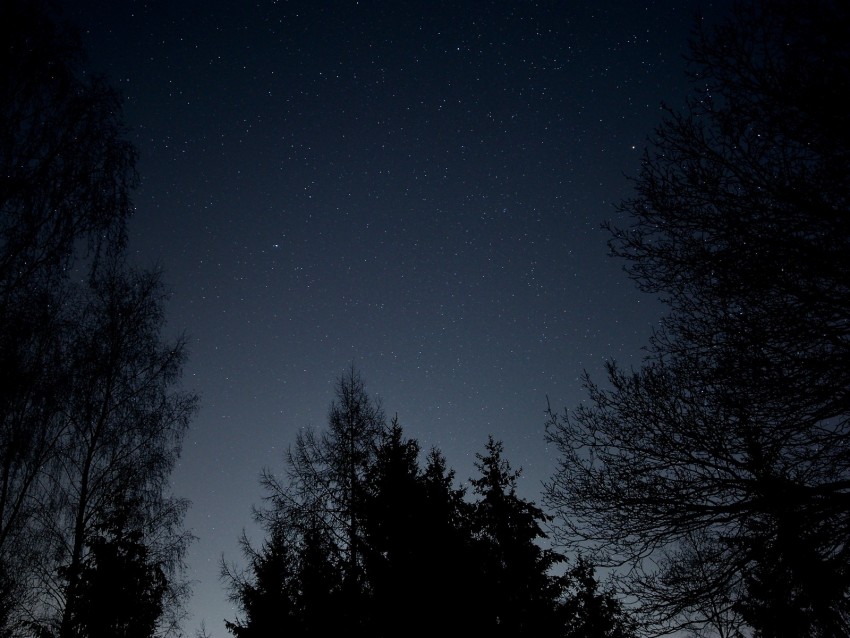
{"points": [[67, 170], [393, 510], [327, 474], [428, 560], [319, 509], [420, 560], [589, 611], [67, 174], [268, 594], [120, 591], [453, 583], [792, 588], [519, 593], [737, 423], [323, 586], [91, 419], [123, 422]]}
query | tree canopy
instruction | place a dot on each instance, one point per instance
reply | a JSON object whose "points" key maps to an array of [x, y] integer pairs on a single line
{"points": [[718, 473], [91, 413], [430, 559]]}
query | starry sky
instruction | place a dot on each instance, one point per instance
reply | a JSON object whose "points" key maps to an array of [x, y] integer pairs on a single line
{"points": [[413, 187]]}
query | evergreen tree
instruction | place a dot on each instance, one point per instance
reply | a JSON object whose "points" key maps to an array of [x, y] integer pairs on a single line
{"points": [[121, 589], [420, 542], [324, 599], [319, 508], [519, 594], [293, 584], [392, 519], [267, 593], [449, 549], [429, 561], [588, 611]]}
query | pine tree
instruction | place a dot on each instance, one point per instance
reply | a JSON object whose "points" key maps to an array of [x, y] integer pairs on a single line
{"points": [[121, 588], [324, 601], [319, 509], [268, 592], [588, 610], [520, 596], [393, 517]]}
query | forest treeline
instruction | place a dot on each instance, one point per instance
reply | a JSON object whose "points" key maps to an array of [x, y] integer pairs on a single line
{"points": [[365, 535], [712, 482]]}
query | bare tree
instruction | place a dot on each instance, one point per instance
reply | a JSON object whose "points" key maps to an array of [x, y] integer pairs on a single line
{"points": [[66, 177], [91, 418], [719, 473], [124, 424], [326, 474], [67, 170]]}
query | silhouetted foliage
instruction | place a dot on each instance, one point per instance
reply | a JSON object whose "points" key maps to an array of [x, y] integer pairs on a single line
{"points": [[66, 175], [67, 170], [268, 594], [90, 418], [421, 561], [120, 591], [792, 588], [393, 518], [518, 591], [429, 561], [326, 484], [323, 587], [318, 508], [591, 611], [713, 470], [122, 425]]}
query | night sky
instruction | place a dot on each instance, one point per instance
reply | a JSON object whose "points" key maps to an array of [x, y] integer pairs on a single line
{"points": [[414, 187]]}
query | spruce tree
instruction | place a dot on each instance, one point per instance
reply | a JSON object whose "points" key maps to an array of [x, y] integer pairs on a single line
{"points": [[519, 594]]}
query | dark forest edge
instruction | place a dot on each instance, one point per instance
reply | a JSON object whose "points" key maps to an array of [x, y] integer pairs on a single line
{"points": [[361, 537], [92, 415], [716, 477], [714, 480]]}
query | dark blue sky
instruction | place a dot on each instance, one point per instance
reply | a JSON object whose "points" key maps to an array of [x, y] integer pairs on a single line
{"points": [[416, 187]]}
